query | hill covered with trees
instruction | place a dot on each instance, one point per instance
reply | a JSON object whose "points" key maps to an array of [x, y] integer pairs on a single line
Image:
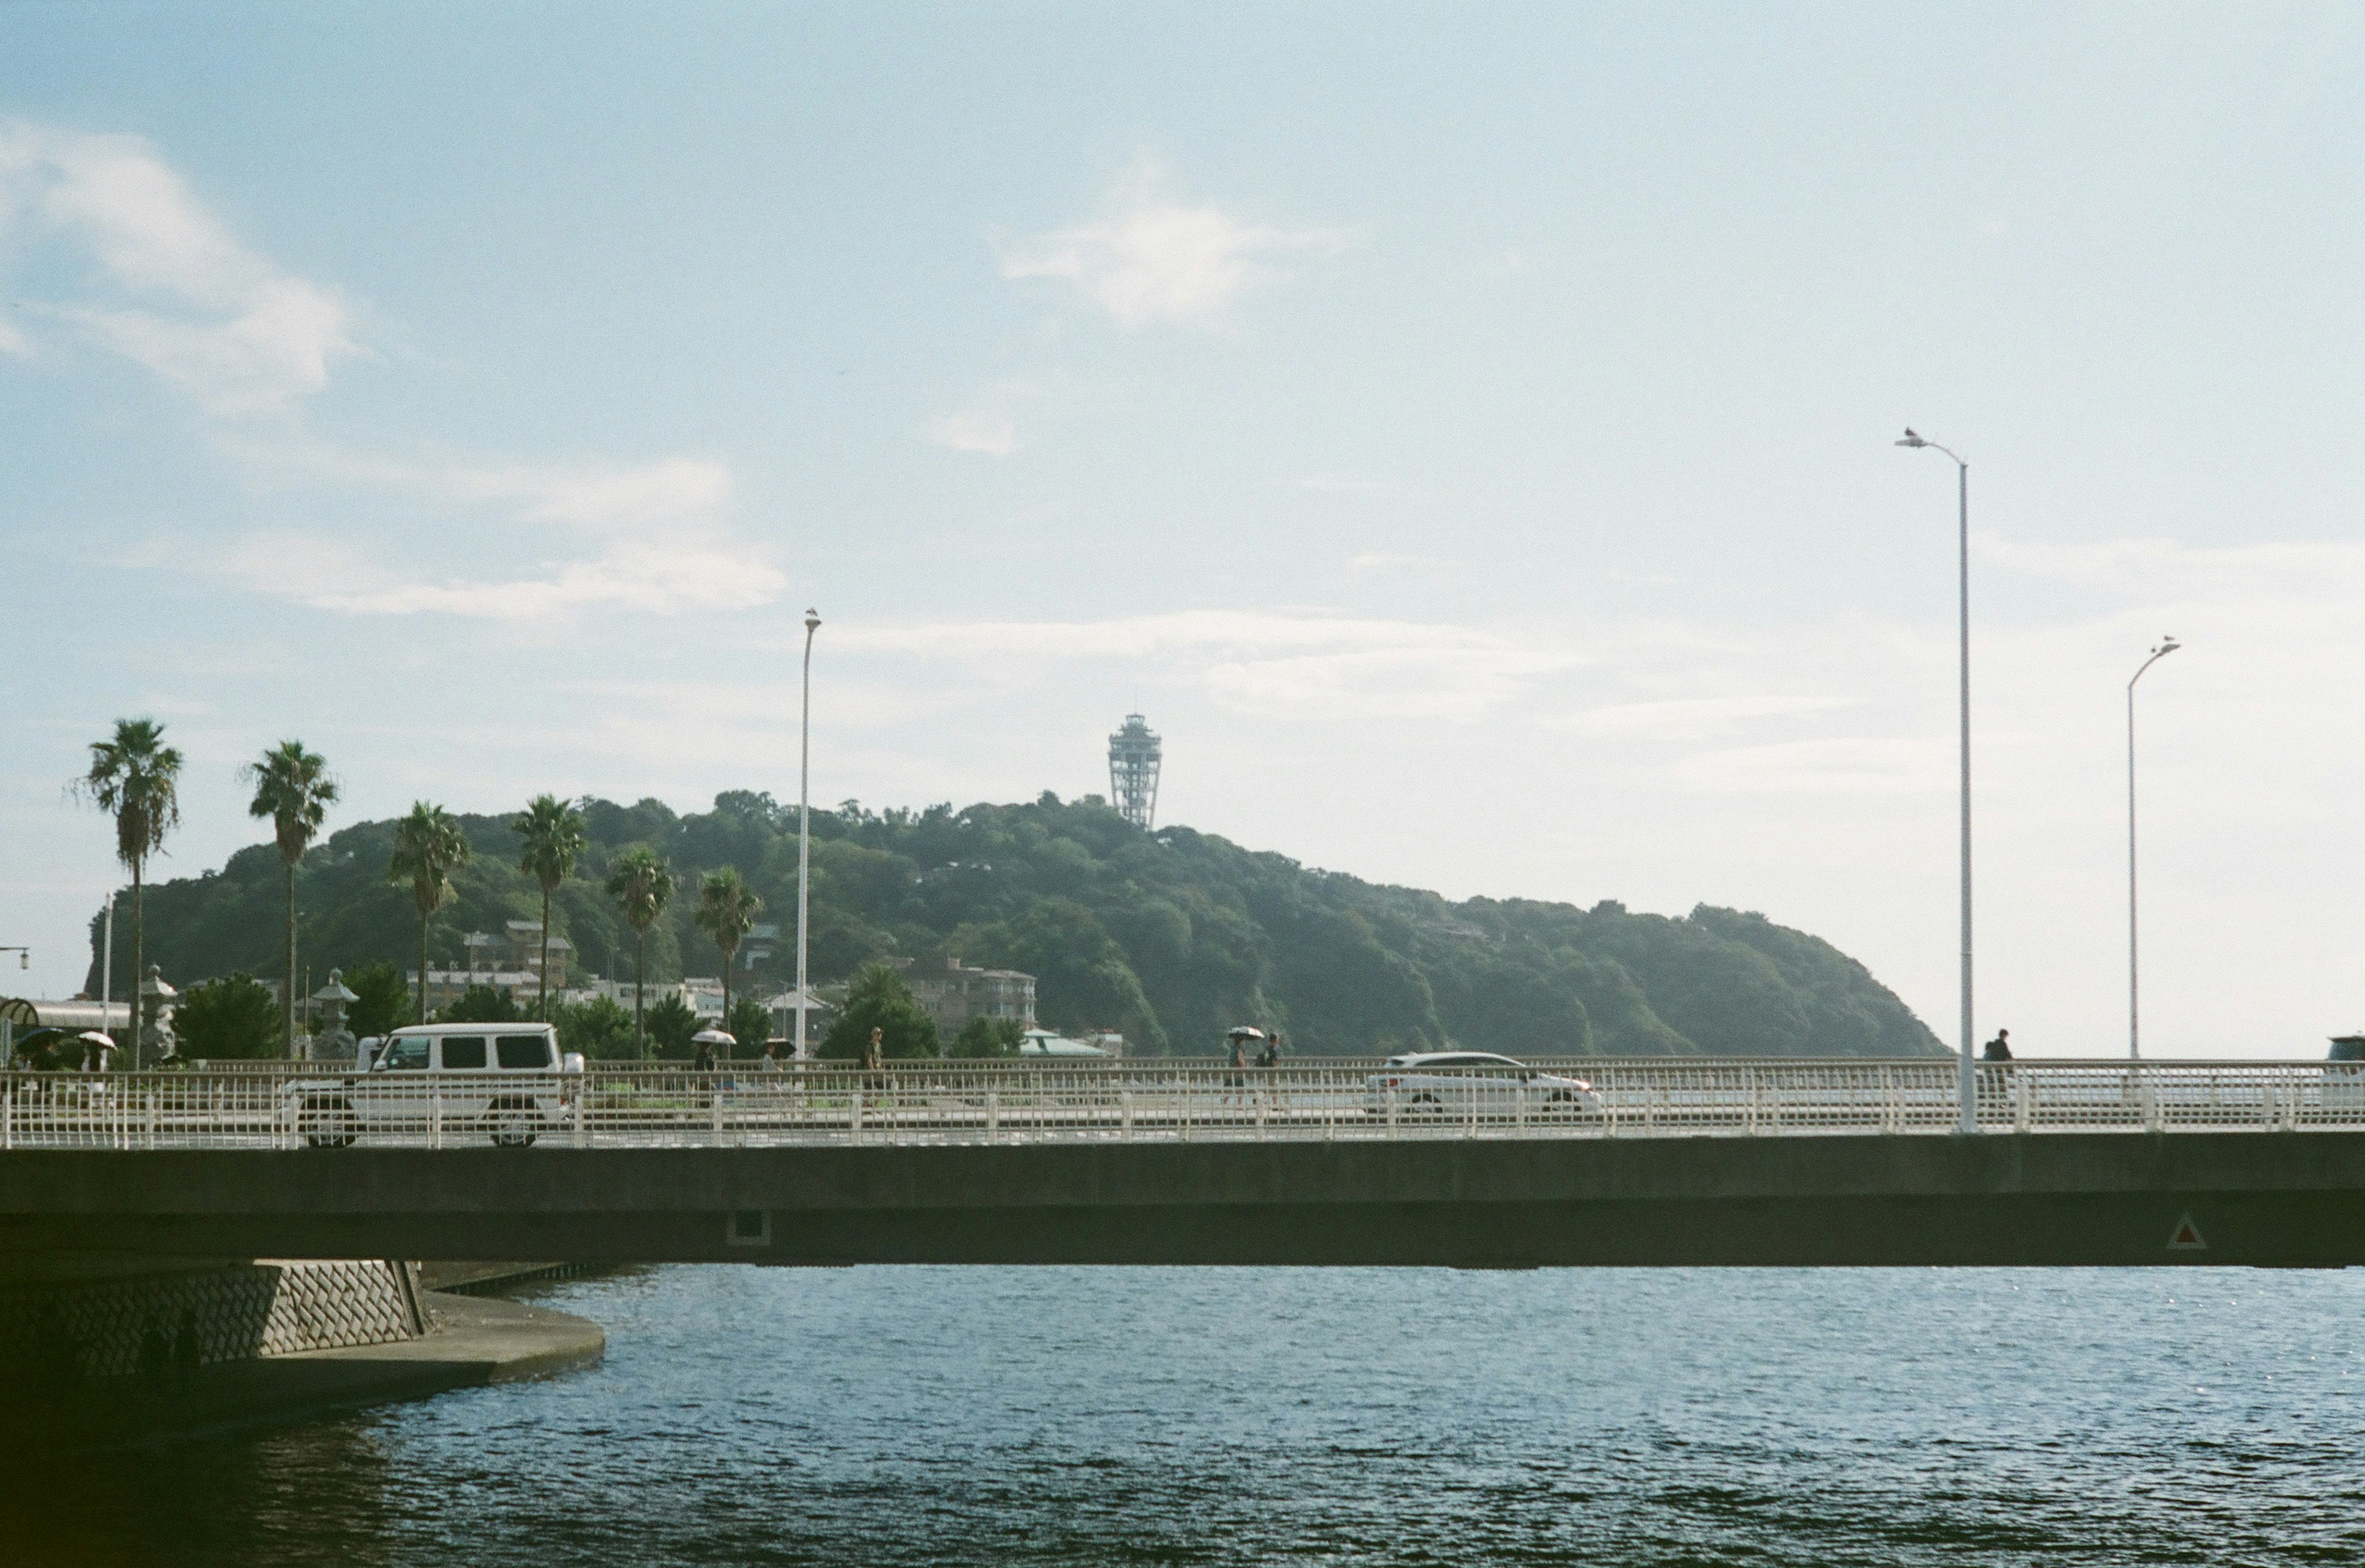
{"points": [[1172, 936]]}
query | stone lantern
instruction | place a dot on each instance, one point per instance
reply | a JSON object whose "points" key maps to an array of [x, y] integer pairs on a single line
{"points": [[157, 1000], [331, 1040]]}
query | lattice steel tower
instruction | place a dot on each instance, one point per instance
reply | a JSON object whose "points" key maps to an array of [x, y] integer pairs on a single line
{"points": [[1134, 755]]}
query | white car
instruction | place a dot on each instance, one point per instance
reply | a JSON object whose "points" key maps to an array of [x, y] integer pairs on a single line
{"points": [[1456, 1084], [508, 1081]]}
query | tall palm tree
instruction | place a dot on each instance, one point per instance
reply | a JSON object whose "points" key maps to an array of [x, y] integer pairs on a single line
{"points": [[428, 847], [640, 881], [727, 907], [551, 839], [136, 778], [292, 788]]}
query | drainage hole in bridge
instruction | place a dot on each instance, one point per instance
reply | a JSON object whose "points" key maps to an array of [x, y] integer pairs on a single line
{"points": [[750, 1227]]}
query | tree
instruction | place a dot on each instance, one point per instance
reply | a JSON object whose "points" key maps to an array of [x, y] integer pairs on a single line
{"points": [[294, 792], [727, 907], [670, 1024], [382, 1002], [135, 777], [641, 883], [481, 1004], [597, 1029], [983, 1037], [551, 839], [878, 998], [750, 1023], [427, 846], [234, 1018]]}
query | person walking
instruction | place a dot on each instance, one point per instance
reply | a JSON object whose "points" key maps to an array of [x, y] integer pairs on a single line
{"points": [[771, 1062], [1999, 1048], [874, 1054], [705, 1061]]}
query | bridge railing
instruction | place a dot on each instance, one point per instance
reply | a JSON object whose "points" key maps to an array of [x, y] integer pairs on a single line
{"points": [[1158, 1101]]}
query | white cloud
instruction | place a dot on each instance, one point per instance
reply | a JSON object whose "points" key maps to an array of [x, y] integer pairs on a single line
{"points": [[1150, 257], [992, 432], [1271, 661], [1690, 718], [182, 296], [1382, 561], [1847, 766], [2165, 568], [1349, 484], [665, 544]]}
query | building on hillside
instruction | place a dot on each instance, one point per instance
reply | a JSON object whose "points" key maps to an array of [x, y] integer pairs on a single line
{"points": [[509, 963], [954, 993]]}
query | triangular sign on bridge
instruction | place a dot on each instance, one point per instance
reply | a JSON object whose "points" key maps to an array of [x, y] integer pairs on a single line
{"points": [[2186, 1238]]}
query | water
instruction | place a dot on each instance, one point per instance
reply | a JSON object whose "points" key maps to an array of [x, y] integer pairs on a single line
{"points": [[1239, 1416]]}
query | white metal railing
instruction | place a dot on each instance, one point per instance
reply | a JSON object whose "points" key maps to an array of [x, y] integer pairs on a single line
{"points": [[1150, 1101]]}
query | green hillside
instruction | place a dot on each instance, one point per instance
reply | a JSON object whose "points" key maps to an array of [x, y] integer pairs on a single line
{"points": [[1171, 937]]}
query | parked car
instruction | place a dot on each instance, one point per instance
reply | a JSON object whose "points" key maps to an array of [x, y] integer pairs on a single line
{"points": [[1442, 1084], [2344, 1074], [509, 1081]]}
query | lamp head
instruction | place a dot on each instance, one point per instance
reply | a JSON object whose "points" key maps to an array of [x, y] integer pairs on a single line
{"points": [[813, 621], [2167, 646], [1910, 439]]}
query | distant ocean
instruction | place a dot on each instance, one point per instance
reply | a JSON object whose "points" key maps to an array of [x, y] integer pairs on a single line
{"points": [[1261, 1416]]}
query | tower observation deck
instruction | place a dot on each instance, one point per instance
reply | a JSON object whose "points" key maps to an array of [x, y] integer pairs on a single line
{"points": [[1134, 755]]}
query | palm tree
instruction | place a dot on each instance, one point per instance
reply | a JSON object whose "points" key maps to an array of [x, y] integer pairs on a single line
{"points": [[551, 839], [727, 907], [293, 789], [427, 846], [135, 777], [640, 881]]}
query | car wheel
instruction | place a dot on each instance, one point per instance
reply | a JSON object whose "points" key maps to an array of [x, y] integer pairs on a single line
{"points": [[512, 1126], [1429, 1104], [328, 1126]]}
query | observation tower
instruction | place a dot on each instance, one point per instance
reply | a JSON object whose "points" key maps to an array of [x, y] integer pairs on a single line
{"points": [[1134, 755]]}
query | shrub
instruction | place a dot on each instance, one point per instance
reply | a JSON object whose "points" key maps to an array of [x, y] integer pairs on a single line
{"points": [[232, 1018], [985, 1037], [600, 1030], [670, 1023], [879, 999]]}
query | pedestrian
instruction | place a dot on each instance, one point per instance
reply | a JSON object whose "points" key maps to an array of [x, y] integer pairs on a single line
{"points": [[705, 1061], [771, 1062], [1999, 1048], [874, 1055]]}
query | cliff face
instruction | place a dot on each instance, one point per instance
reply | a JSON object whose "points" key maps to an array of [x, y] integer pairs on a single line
{"points": [[1172, 937]]}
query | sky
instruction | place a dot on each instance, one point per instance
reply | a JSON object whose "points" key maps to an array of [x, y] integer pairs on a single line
{"points": [[1466, 433]]}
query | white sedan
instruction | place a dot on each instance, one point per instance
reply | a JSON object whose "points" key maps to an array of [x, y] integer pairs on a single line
{"points": [[1442, 1084]]}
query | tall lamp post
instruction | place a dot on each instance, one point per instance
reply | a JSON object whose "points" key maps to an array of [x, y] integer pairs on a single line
{"points": [[2167, 646], [804, 823], [1966, 1118]]}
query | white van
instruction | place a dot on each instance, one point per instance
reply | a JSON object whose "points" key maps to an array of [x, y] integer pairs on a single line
{"points": [[508, 1081]]}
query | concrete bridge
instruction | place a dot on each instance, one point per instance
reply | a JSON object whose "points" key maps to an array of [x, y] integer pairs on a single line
{"points": [[1755, 1164]]}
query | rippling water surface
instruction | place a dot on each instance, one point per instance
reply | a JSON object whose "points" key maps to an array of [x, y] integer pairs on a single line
{"points": [[1222, 1416]]}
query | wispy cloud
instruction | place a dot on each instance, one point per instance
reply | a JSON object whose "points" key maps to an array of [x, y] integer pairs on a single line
{"points": [[1274, 661], [166, 284], [1150, 257], [663, 542], [175, 290], [988, 426], [1690, 718], [2168, 568]]}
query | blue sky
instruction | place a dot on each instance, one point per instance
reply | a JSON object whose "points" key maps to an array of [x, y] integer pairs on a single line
{"points": [[1464, 430]]}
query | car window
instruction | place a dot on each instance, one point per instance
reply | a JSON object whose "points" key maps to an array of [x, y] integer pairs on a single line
{"points": [[464, 1051], [405, 1053], [514, 1051], [2349, 1050]]}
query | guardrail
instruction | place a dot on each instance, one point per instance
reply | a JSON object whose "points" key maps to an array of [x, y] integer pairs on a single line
{"points": [[1146, 1101]]}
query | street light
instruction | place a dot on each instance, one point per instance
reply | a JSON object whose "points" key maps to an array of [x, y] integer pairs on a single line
{"points": [[804, 825], [2167, 646], [1966, 1118]]}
